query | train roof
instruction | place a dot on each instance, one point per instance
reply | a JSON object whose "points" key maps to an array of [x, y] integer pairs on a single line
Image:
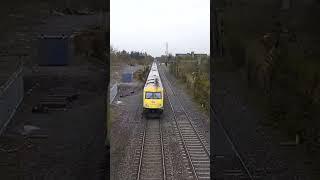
{"points": [[154, 77]]}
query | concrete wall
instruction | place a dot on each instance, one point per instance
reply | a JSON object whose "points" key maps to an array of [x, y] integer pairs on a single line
{"points": [[11, 95], [113, 92]]}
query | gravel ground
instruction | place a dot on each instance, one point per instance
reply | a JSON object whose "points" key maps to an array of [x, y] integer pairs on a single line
{"points": [[200, 118], [125, 124], [176, 168], [126, 132], [124, 128]]}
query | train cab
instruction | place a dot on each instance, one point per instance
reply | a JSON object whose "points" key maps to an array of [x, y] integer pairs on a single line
{"points": [[153, 93]]}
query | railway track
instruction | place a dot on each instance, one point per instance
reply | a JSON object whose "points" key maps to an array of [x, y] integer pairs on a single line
{"points": [[195, 148], [235, 165], [151, 154]]}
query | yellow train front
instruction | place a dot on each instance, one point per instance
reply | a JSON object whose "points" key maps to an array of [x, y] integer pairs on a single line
{"points": [[153, 94]]}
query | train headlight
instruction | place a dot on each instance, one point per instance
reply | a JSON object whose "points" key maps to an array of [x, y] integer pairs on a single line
{"points": [[146, 105]]}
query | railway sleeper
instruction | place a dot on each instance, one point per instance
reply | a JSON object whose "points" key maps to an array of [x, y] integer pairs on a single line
{"points": [[185, 127], [203, 169], [152, 171], [148, 164], [196, 151], [203, 178], [203, 173], [192, 140], [204, 158], [201, 162], [189, 132], [151, 178], [194, 144], [195, 148], [189, 136], [198, 155], [153, 160]]}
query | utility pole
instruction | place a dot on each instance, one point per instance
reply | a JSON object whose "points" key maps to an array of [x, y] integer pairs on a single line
{"points": [[167, 54], [167, 49]]}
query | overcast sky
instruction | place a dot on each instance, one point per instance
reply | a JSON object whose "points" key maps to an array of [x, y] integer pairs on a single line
{"points": [[146, 25]]}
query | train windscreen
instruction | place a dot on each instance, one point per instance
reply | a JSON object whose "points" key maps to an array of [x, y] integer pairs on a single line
{"points": [[153, 95], [149, 95], [157, 95]]}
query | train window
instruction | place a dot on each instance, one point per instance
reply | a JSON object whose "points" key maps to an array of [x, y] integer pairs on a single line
{"points": [[153, 95], [149, 95], [157, 95]]}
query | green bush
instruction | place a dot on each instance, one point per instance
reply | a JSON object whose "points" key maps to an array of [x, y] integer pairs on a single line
{"points": [[196, 78]]}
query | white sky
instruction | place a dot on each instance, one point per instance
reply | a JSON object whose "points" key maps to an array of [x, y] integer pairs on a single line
{"points": [[146, 25]]}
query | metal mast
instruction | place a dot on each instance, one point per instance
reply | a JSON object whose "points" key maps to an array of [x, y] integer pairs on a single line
{"points": [[167, 53]]}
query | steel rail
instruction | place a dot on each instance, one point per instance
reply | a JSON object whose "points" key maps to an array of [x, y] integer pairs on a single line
{"points": [[142, 151], [162, 152], [180, 132], [183, 141], [188, 117], [229, 140]]}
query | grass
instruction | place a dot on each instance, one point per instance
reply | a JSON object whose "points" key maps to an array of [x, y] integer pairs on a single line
{"points": [[196, 79], [142, 75]]}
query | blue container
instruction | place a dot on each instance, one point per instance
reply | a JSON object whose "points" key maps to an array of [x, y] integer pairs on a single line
{"points": [[53, 50], [127, 77]]}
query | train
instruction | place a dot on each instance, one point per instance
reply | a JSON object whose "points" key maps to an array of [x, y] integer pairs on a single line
{"points": [[153, 93]]}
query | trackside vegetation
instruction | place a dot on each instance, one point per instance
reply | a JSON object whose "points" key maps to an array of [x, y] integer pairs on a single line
{"points": [[194, 73]]}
